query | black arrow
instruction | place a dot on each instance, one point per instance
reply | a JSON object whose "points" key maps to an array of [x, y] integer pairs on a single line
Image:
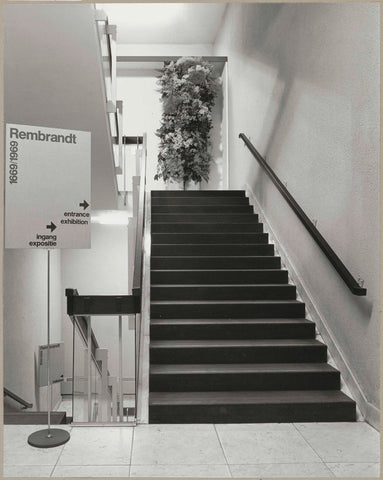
{"points": [[52, 227], [84, 204]]}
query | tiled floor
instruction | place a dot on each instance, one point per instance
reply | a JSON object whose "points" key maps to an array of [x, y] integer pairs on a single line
{"points": [[304, 450]]}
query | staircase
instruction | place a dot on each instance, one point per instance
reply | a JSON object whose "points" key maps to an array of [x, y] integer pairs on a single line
{"points": [[229, 341]]}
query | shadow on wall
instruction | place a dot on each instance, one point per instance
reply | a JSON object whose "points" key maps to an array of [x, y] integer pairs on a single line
{"points": [[312, 69]]}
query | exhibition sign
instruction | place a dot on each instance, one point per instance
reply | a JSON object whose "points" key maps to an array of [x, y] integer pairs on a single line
{"points": [[47, 187]]}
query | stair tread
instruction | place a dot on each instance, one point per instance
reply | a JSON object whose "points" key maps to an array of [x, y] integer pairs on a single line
{"points": [[186, 193], [203, 224], [228, 302], [206, 244], [236, 343], [249, 397], [227, 321], [179, 257], [208, 233], [240, 368], [220, 270], [226, 285]]}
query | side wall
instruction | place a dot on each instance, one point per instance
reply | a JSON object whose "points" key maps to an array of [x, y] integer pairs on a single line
{"points": [[25, 320], [304, 86], [52, 77]]}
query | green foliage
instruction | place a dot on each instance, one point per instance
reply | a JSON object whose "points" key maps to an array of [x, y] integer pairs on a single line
{"points": [[188, 89]]}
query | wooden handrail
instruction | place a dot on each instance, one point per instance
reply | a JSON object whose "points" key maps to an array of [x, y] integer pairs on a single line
{"points": [[337, 263], [89, 305]]}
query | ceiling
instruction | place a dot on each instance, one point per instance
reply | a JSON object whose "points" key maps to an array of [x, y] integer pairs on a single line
{"points": [[174, 23]]}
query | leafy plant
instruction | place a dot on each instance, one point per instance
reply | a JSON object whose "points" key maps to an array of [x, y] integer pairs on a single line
{"points": [[188, 89]]}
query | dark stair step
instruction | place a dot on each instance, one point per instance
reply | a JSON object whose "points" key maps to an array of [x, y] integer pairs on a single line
{"points": [[246, 407], [250, 377], [204, 218], [200, 209], [237, 351], [209, 238], [223, 292], [224, 262], [34, 418], [231, 329], [196, 200], [198, 193], [275, 276], [228, 309], [206, 227], [212, 250]]}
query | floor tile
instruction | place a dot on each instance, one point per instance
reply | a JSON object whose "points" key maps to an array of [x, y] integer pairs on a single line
{"points": [[176, 444], [181, 471], [18, 452], [282, 470], [264, 443], [98, 446], [342, 442], [24, 471], [355, 470], [91, 471]]}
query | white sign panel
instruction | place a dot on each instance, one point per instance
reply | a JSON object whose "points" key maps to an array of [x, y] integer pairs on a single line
{"points": [[47, 187]]}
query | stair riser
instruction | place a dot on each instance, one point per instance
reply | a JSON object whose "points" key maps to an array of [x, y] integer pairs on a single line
{"points": [[228, 310], [195, 263], [197, 193], [187, 277], [211, 250], [273, 413], [228, 382], [208, 218], [243, 354], [209, 238], [206, 227], [200, 201], [285, 292], [201, 209], [232, 332]]}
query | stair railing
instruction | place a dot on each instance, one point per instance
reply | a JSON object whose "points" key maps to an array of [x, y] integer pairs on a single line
{"points": [[24, 403], [95, 360], [337, 263], [85, 306], [107, 35]]}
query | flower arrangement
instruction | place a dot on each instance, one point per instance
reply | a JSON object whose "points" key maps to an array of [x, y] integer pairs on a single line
{"points": [[188, 89]]}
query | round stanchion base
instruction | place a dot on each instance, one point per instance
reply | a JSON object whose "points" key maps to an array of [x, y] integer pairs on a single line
{"points": [[48, 438]]}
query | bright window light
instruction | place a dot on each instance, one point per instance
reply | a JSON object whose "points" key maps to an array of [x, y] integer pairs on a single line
{"points": [[110, 217]]}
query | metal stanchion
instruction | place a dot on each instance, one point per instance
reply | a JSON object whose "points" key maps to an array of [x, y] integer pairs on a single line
{"points": [[120, 372], [50, 437]]}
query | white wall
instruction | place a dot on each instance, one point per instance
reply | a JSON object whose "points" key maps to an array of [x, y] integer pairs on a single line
{"points": [[304, 86], [53, 78], [101, 270], [25, 320], [142, 113], [164, 49]]}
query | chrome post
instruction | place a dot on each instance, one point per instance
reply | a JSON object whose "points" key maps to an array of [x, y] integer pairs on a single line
{"points": [[48, 347], [89, 368], [121, 413]]}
